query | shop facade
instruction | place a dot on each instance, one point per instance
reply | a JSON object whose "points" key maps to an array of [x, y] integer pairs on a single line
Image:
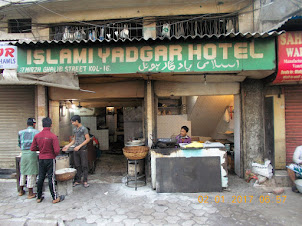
{"points": [[288, 82], [19, 102], [145, 74]]}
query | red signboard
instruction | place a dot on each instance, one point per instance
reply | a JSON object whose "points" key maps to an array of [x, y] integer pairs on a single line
{"points": [[289, 58]]}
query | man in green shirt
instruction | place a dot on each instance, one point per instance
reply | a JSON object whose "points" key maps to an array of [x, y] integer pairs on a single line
{"points": [[29, 160]]}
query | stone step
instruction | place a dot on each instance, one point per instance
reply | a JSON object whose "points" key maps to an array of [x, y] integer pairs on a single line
{"points": [[282, 179]]}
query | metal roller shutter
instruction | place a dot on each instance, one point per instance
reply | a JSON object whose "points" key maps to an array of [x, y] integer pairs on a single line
{"points": [[17, 103], [293, 120]]}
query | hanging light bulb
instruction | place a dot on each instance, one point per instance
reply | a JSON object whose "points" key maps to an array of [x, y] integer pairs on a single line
{"points": [[72, 106]]}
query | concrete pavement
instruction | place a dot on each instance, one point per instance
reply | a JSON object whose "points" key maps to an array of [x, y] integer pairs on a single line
{"points": [[115, 204]]}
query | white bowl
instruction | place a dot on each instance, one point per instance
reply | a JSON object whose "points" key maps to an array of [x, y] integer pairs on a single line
{"points": [[136, 141], [299, 185]]}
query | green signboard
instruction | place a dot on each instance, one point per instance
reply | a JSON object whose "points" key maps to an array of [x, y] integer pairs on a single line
{"points": [[202, 56]]}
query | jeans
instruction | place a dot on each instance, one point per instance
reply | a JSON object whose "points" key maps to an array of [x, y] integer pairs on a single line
{"points": [[81, 165]]}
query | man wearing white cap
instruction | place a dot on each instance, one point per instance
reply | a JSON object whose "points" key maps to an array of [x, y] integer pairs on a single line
{"points": [[29, 159]]}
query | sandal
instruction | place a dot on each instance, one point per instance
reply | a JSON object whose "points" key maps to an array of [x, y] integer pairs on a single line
{"points": [[32, 196], [22, 192], [76, 184], [60, 199], [294, 189], [86, 185], [40, 200]]}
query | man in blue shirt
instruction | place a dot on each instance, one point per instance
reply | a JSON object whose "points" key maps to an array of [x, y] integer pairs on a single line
{"points": [[29, 160]]}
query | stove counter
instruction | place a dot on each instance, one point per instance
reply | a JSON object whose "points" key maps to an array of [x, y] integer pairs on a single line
{"points": [[177, 152]]}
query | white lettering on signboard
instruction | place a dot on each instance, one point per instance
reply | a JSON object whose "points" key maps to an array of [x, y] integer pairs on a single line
{"points": [[193, 51], [131, 54], [240, 50], [8, 57], [209, 56], [104, 55]]}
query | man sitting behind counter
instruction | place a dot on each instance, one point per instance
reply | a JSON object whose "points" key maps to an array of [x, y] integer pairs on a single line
{"points": [[183, 137]]}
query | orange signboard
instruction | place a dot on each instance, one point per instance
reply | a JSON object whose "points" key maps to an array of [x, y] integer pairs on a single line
{"points": [[289, 58]]}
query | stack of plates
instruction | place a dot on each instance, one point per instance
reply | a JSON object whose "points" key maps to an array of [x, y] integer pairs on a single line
{"points": [[182, 145], [135, 143]]}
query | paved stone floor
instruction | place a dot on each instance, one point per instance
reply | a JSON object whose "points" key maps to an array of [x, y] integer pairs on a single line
{"points": [[116, 204], [109, 202], [110, 169]]}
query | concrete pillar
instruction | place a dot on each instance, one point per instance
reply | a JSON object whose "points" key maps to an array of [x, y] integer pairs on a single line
{"points": [[54, 114], [252, 123], [65, 187], [41, 106], [149, 112], [237, 135]]}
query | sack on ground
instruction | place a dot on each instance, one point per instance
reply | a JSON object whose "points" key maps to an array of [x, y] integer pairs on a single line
{"points": [[265, 169]]}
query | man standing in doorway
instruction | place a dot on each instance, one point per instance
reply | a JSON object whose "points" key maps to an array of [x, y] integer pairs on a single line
{"points": [[48, 145], [29, 160], [80, 139]]}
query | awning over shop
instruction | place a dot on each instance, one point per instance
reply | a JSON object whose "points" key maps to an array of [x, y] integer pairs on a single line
{"points": [[231, 35], [60, 80], [289, 24]]}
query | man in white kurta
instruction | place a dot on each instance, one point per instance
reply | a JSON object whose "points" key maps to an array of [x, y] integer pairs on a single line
{"points": [[295, 170]]}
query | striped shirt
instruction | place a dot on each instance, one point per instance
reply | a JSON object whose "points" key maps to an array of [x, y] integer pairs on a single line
{"points": [[26, 136]]}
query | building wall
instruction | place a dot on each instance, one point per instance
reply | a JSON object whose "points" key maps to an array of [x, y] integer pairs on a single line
{"points": [[191, 101], [272, 13], [73, 12], [169, 125], [54, 114], [207, 113], [253, 16], [133, 122], [224, 126], [65, 128]]}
